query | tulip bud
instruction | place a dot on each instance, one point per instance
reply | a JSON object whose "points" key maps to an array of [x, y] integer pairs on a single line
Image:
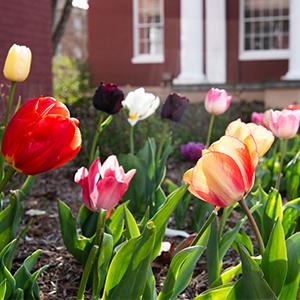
{"points": [[108, 98], [258, 118], [174, 107], [17, 63], [267, 118], [217, 101], [284, 124], [192, 151]]}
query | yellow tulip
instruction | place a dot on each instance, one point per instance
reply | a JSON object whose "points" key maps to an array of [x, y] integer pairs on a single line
{"points": [[17, 64]]}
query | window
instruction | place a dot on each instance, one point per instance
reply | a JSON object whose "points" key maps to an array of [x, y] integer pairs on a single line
{"points": [[264, 29], [148, 36]]}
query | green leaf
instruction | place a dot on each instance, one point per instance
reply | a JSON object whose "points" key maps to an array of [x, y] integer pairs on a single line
{"points": [[128, 271], [218, 293], [2, 290], [231, 272], [272, 212], [10, 219], [6, 256], [150, 288], [291, 214], [244, 239], [23, 273], [87, 220], [274, 261], [116, 222], [180, 272], [161, 218], [78, 246], [104, 258], [214, 262], [292, 281], [131, 225], [252, 285]]}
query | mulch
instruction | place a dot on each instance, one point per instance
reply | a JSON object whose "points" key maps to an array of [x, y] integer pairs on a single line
{"points": [[62, 277]]}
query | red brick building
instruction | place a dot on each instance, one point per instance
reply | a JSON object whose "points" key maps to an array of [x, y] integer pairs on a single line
{"points": [[28, 23], [237, 44]]}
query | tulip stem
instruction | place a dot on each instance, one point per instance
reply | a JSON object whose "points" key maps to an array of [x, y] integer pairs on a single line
{"points": [[26, 187], [7, 176], [98, 242], [86, 272], [132, 140], [209, 220], [9, 102], [254, 226], [95, 140], [283, 153], [211, 124]]}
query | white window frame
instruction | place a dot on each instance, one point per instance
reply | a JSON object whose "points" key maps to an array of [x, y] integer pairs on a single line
{"points": [[146, 58], [247, 55]]}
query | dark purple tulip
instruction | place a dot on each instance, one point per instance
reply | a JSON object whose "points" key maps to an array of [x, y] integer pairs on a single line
{"points": [[192, 151], [174, 107], [108, 98]]}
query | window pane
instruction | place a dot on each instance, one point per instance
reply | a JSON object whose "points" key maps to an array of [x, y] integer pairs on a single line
{"points": [[266, 24], [150, 29]]}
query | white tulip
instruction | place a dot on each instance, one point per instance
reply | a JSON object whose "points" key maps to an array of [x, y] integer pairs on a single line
{"points": [[140, 105]]}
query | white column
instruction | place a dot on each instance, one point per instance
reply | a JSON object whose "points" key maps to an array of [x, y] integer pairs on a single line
{"points": [[191, 42], [294, 42], [216, 41]]}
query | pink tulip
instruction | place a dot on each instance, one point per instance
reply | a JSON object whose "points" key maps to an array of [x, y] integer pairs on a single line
{"points": [[284, 124], [217, 101], [258, 118], [104, 193]]}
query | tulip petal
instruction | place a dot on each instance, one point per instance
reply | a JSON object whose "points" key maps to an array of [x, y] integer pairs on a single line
{"points": [[262, 136], [50, 144], [217, 179], [94, 174], [128, 176], [110, 167], [81, 178], [238, 151], [110, 192], [241, 131]]}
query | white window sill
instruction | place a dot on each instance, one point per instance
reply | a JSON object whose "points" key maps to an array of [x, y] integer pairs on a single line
{"points": [[148, 59], [264, 55]]}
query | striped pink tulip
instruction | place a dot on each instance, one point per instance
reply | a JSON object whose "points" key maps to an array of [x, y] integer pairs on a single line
{"points": [[104, 185]]}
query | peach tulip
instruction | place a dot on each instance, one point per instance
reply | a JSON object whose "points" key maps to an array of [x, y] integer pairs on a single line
{"points": [[225, 172], [108, 191]]}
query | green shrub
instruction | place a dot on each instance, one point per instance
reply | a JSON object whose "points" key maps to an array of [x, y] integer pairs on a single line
{"points": [[70, 79]]}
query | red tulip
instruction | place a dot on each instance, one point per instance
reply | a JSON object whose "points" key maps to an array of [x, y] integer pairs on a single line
{"points": [[41, 136], [108, 191]]}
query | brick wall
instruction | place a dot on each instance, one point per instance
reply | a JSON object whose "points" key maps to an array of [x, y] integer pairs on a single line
{"points": [[28, 23]]}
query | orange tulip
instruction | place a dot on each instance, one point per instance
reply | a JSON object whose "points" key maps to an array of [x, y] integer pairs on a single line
{"points": [[225, 172], [41, 136]]}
